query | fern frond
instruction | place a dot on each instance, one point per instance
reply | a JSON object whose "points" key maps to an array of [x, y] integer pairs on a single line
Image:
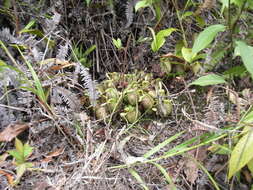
{"points": [[68, 97], [51, 24], [6, 35], [89, 84], [129, 13], [8, 77], [62, 53]]}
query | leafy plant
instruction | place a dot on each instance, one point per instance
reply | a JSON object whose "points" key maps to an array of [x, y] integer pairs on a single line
{"points": [[150, 3], [203, 40], [87, 2], [117, 43], [241, 154], [210, 79], [21, 153], [246, 53], [79, 54], [159, 38]]}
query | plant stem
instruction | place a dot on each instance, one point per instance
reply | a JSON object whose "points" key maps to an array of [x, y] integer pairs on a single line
{"points": [[180, 23]]}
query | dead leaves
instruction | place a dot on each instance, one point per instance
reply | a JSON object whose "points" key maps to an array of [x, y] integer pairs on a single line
{"points": [[51, 155], [12, 131], [191, 167], [9, 177]]}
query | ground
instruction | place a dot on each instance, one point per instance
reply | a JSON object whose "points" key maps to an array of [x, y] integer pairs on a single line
{"points": [[69, 45]]}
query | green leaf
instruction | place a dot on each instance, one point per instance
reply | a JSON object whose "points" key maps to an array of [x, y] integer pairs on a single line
{"points": [[27, 151], [187, 54], [141, 4], [250, 166], [39, 89], [241, 154], [206, 37], [210, 79], [248, 118], [159, 38], [238, 2], [161, 145], [187, 14], [19, 157], [88, 2], [27, 27], [19, 146], [117, 43], [20, 171], [89, 50], [246, 53], [138, 178], [166, 175]]}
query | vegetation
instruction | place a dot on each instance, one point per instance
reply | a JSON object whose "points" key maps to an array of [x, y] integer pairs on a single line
{"points": [[137, 94]]}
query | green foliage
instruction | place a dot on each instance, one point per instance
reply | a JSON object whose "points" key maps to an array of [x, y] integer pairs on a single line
{"points": [[210, 79], [206, 37], [142, 4], [81, 55], [7, 4], [242, 153], [117, 43], [39, 91], [138, 178], [150, 3], [87, 2], [21, 153], [161, 145], [159, 38], [246, 53]]}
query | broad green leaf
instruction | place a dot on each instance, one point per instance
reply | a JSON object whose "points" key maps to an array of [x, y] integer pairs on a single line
{"points": [[19, 157], [141, 4], [238, 2], [248, 118], [117, 43], [210, 79], [246, 53], [159, 38], [27, 150], [19, 146], [187, 54], [20, 171], [161, 145], [206, 37], [250, 166], [241, 154]]}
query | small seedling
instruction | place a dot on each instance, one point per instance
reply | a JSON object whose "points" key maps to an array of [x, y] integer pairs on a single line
{"points": [[21, 153], [117, 43]]}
